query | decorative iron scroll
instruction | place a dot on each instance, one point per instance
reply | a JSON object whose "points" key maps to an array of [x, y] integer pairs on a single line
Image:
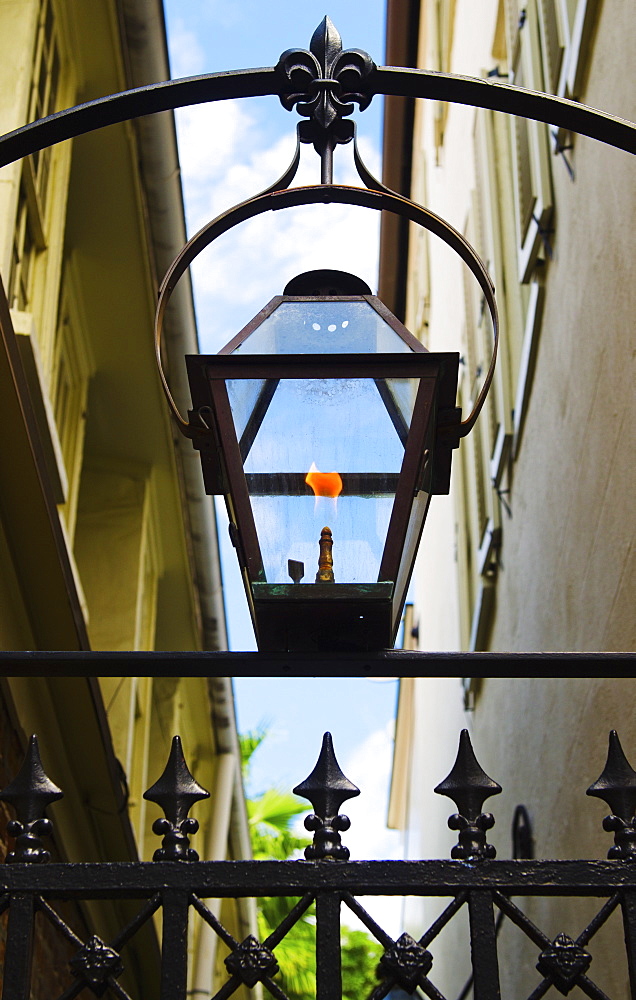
{"points": [[476, 882]]}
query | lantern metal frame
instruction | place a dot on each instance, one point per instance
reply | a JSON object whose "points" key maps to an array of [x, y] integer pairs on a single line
{"points": [[355, 616], [379, 198], [327, 615]]}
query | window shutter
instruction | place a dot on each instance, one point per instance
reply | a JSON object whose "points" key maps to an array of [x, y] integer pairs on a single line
{"points": [[531, 153]]}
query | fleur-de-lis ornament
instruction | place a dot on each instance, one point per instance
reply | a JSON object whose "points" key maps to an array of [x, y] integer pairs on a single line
{"points": [[175, 792], [469, 786], [324, 83], [617, 786]]}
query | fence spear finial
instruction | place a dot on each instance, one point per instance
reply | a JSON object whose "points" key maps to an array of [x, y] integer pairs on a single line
{"points": [[469, 786], [327, 788], [616, 785], [30, 792], [175, 792]]}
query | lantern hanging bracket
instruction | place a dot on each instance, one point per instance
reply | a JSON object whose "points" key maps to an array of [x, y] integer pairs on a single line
{"points": [[323, 83], [277, 197]]}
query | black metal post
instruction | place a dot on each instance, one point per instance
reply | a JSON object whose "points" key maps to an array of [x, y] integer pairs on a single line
{"points": [[628, 905], [483, 946], [326, 162], [19, 948], [174, 951], [328, 968]]}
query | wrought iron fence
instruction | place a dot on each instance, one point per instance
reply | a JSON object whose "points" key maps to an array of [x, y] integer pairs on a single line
{"points": [[177, 884]]}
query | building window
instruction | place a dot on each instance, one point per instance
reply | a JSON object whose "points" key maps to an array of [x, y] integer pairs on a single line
{"points": [[576, 19], [72, 368], [30, 230], [531, 153], [552, 43], [478, 514], [440, 26], [495, 199]]}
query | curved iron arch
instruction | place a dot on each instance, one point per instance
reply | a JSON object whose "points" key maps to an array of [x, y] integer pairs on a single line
{"points": [[383, 80]]}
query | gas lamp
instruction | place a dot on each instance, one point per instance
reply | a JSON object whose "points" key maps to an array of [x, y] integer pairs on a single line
{"points": [[330, 434]]}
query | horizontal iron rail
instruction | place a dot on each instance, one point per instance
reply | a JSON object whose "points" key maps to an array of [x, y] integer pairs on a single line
{"points": [[384, 80], [139, 880], [391, 662]]}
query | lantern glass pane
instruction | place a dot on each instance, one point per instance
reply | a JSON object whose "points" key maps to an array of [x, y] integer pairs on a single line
{"points": [[403, 391], [324, 452], [314, 327], [290, 528], [411, 542], [245, 395]]}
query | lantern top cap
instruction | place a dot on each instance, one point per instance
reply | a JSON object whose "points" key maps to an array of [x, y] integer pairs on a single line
{"points": [[326, 281]]}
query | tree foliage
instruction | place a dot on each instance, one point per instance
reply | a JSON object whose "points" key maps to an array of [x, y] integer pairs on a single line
{"points": [[271, 816], [360, 956]]}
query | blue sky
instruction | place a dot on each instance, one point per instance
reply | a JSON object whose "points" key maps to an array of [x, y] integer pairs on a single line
{"points": [[233, 149], [229, 151], [250, 33], [359, 713]]}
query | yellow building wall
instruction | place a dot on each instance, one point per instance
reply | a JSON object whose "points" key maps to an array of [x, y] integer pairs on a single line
{"points": [[77, 268], [96, 542]]}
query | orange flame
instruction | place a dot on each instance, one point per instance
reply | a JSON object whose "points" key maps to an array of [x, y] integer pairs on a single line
{"points": [[324, 484]]}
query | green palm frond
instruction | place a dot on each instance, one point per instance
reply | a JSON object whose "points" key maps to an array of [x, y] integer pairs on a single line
{"points": [[276, 846], [275, 808], [248, 745], [296, 952]]}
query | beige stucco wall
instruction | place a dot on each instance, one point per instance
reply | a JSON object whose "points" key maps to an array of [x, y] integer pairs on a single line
{"points": [[545, 741], [567, 575], [569, 562]]}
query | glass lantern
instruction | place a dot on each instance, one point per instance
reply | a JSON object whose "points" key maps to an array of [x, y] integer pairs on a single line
{"points": [[325, 412]]}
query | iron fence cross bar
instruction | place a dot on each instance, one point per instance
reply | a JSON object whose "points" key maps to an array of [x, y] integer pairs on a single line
{"points": [[141, 880], [184, 886]]}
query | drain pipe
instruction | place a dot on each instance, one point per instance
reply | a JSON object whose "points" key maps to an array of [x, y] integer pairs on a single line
{"points": [[146, 61]]}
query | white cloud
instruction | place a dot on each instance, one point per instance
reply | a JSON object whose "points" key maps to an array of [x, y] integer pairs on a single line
{"points": [[369, 767], [226, 158], [214, 143], [239, 275], [187, 56]]}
